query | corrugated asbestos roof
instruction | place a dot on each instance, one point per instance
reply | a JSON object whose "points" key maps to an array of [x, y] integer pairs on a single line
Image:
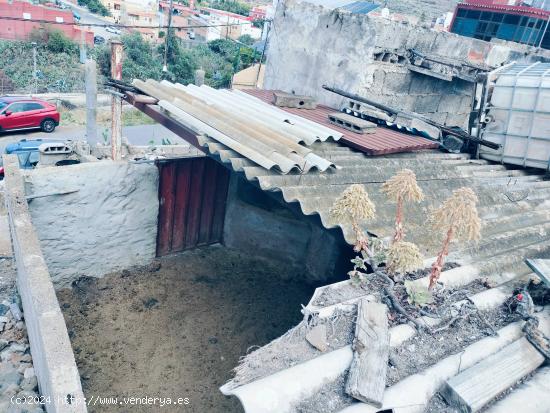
{"points": [[232, 122], [383, 141], [513, 205]]}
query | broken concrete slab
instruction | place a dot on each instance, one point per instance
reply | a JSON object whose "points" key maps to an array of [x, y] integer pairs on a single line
{"points": [[5, 241], [288, 100], [317, 337], [351, 123], [475, 387]]}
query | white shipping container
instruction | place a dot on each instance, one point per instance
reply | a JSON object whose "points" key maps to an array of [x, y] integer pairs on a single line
{"points": [[519, 113]]}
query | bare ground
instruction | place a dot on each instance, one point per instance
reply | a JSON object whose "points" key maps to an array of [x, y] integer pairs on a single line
{"points": [[178, 331]]}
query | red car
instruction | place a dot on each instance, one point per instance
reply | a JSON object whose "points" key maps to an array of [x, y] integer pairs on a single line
{"points": [[18, 112]]}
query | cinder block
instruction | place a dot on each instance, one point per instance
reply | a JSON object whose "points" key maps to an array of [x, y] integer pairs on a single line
{"points": [[463, 87], [427, 104], [460, 120], [351, 123], [450, 103], [288, 100], [397, 82]]}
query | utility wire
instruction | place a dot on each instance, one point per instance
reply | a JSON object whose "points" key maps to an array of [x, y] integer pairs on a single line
{"points": [[124, 26]]}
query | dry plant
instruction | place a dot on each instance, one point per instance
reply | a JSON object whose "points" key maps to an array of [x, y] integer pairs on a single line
{"points": [[400, 188], [403, 257], [458, 219], [354, 206]]}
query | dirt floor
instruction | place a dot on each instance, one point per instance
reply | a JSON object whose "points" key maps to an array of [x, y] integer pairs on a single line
{"points": [[180, 330]]}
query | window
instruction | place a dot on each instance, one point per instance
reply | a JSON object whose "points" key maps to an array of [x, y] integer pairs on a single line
{"points": [[511, 19], [473, 14], [33, 106], [461, 13], [497, 17], [17, 107], [3, 106], [117, 6]]}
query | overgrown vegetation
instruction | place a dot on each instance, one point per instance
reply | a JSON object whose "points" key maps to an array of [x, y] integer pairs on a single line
{"points": [[231, 6], [220, 59], [95, 6], [57, 62]]}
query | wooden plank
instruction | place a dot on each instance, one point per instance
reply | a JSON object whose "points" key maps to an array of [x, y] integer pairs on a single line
{"points": [[181, 204], [371, 347], [209, 194], [475, 387], [541, 268], [166, 208], [219, 204], [195, 201]]}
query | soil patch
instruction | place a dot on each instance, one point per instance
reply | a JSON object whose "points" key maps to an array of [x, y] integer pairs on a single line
{"points": [[178, 330]]}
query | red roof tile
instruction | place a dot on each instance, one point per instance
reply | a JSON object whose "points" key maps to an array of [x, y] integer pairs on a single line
{"points": [[381, 142]]}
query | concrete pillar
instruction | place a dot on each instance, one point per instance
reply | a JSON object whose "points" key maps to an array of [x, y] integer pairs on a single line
{"points": [[91, 101], [199, 77], [116, 102]]}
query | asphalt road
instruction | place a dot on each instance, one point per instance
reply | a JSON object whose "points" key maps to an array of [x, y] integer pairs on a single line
{"points": [[87, 17], [136, 135]]}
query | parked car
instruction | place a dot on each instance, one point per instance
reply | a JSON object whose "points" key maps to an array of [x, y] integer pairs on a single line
{"points": [[18, 112], [112, 29], [76, 16], [99, 39]]}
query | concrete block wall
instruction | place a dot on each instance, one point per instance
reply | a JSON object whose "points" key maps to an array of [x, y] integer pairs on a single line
{"points": [[108, 224], [53, 358], [256, 223], [310, 46]]}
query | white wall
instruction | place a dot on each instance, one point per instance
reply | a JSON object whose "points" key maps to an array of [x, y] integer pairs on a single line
{"points": [[109, 224]]}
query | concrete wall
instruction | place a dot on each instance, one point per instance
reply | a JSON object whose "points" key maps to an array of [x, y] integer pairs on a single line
{"points": [[110, 223], [310, 46], [52, 355], [256, 223]]}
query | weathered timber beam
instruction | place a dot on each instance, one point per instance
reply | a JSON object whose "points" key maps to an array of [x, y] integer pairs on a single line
{"points": [[371, 348]]}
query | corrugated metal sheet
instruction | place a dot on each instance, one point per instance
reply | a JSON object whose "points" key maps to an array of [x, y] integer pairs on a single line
{"points": [[383, 141], [192, 195], [231, 121]]}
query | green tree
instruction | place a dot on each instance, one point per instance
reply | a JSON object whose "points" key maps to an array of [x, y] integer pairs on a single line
{"points": [[231, 6], [246, 39]]}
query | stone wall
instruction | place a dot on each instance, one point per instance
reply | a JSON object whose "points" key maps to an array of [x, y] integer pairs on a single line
{"points": [[108, 224], [310, 46], [257, 224]]}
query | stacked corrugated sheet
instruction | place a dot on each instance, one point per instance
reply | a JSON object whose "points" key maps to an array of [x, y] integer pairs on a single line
{"points": [[242, 129]]}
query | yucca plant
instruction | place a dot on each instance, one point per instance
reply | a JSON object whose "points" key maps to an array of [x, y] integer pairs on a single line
{"points": [[457, 218], [400, 188]]}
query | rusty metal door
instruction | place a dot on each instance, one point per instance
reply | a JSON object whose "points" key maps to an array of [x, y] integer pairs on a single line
{"points": [[192, 196]]}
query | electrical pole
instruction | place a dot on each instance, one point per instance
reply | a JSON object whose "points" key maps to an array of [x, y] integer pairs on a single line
{"points": [[165, 66], [116, 102], [35, 74], [91, 101]]}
